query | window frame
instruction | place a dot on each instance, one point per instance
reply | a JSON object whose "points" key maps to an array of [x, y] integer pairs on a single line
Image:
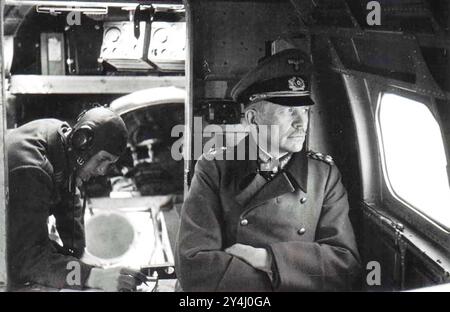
{"points": [[391, 201]]}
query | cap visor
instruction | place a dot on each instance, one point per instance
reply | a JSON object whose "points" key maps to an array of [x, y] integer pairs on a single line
{"points": [[292, 101]]}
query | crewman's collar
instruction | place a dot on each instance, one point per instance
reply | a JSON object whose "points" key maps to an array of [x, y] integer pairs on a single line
{"points": [[57, 154], [70, 155]]}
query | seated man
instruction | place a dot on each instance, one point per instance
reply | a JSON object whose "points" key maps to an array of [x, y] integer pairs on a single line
{"points": [[278, 221], [47, 161]]}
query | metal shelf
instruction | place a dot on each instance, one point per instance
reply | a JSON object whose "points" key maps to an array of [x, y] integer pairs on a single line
{"points": [[37, 84]]}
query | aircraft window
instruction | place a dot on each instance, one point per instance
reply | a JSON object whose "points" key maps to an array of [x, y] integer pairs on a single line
{"points": [[414, 156]]}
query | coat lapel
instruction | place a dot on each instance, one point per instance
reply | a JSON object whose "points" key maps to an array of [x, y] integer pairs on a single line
{"points": [[297, 170], [248, 182], [253, 187], [278, 186]]}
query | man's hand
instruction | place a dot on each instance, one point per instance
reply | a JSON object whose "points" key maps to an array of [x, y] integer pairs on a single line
{"points": [[115, 279], [258, 258]]}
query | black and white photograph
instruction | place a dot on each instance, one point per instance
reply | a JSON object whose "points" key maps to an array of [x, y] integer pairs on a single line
{"points": [[242, 147]]}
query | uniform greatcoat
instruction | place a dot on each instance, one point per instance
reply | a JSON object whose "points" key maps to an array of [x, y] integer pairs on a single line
{"points": [[300, 217]]}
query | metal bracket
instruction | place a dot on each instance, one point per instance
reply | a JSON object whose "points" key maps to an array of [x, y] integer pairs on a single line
{"points": [[163, 271], [399, 266], [400, 243], [397, 227]]}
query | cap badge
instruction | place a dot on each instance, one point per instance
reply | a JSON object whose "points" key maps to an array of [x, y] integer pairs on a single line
{"points": [[296, 84]]}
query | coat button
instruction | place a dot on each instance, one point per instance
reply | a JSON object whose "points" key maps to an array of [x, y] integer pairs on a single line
{"points": [[303, 200], [244, 222], [301, 231]]}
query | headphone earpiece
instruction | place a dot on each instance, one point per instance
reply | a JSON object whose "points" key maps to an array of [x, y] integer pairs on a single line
{"points": [[82, 138], [81, 115]]}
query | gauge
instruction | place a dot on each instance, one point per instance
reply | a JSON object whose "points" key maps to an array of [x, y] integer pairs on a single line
{"points": [[112, 34]]}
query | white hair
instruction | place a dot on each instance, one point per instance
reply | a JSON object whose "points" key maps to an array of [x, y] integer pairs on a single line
{"points": [[259, 107]]}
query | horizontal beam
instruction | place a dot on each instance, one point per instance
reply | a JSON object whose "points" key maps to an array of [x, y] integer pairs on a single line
{"points": [[37, 84]]}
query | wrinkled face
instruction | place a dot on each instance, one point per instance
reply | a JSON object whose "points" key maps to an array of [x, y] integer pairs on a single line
{"points": [[291, 122], [97, 165]]}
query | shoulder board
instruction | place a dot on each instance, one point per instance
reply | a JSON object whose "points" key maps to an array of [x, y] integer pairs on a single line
{"points": [[319, 156]]}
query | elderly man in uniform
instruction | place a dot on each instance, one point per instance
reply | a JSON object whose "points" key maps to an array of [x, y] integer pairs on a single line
{"points": [[278, 222], [47, 161]]}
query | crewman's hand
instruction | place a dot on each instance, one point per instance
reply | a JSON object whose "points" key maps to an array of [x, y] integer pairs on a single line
{"points": [[115, 279], [258, 258]]}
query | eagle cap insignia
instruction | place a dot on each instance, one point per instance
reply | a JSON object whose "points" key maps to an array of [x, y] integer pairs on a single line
{"points": [[296, 84]]}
